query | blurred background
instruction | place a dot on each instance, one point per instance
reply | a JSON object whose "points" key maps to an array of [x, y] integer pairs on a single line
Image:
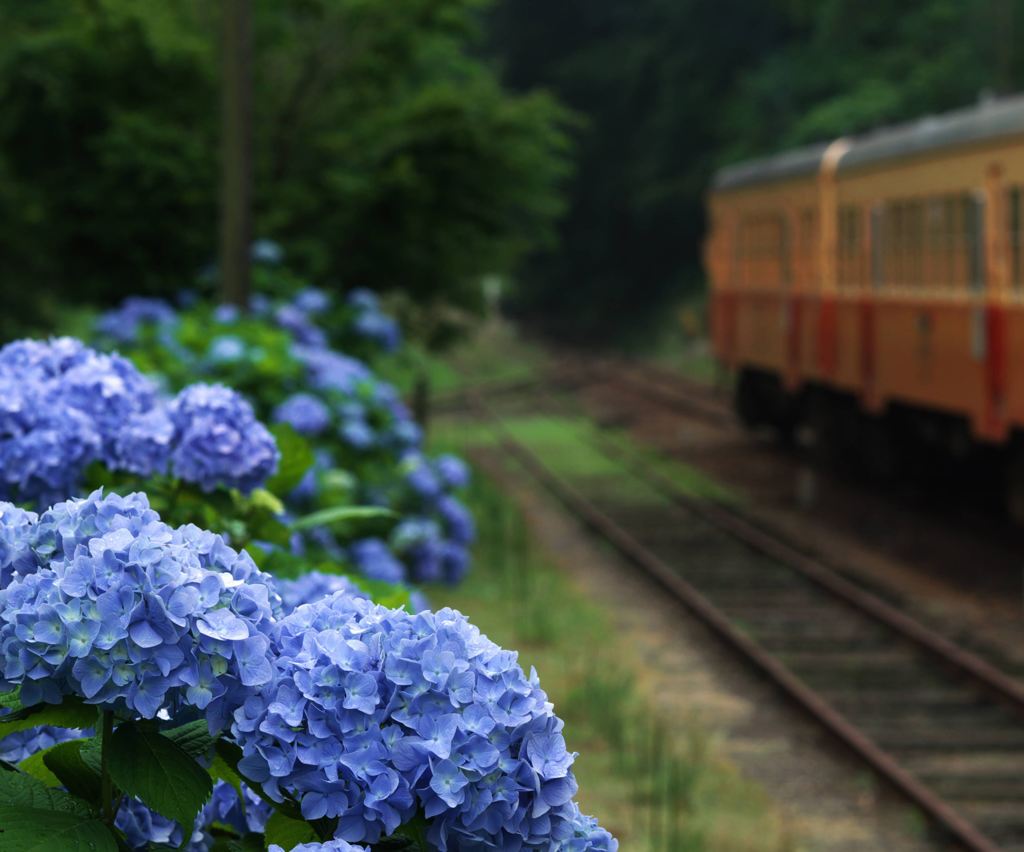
{"points": [[420, 145]]}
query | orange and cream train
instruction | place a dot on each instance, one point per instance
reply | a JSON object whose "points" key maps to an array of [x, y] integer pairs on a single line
{"points": [[875, 285]]}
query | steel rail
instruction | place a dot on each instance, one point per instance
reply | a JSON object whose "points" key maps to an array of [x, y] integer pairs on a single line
{"points": [[987, 676], [934, 806]]}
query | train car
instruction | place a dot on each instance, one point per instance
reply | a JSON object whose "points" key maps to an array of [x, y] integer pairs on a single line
{"points": [[873, 287]]}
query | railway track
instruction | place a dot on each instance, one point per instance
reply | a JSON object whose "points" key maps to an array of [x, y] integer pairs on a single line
{"points": [[939, 724]]}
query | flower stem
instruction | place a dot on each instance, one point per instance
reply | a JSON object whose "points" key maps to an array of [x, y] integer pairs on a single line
{"points": [[106, 787]]}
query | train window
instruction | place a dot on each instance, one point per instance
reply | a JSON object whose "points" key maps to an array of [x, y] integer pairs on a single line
{"points": [[762, 250], [974, 215], [878, 245], [936, 256], [851, 243], [809, 244], [1014, 223]]}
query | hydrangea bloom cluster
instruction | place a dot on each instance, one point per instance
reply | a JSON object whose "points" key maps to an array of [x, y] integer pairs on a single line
{"points": [[122, 610], [375, 714], [125, 323], [64, 406], [61, 408], [371, 323], [434, 536], [358, 712], [219, 440], [313, 586]]}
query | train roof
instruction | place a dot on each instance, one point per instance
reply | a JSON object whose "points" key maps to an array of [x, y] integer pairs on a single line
{"points": [[797, 162], [986, 120]]}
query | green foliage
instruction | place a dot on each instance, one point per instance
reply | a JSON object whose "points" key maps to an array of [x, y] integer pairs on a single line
{"points": [[296, 459], [342, 518], [76, 765], [386, 154], [289, 833], [157, 770], [37, 818]]}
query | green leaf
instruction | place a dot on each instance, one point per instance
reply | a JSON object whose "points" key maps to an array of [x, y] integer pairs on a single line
{"points": [[249, 843], [18, 790], [11, 700], [289, 833], [158, 771], [26, 829], [296, 459], [342, 515], [281, 563], [220, 771], [35, 766], [75, 773], [194, 738], [263, 499], [71, 713], [411, 835], [391, 595]]}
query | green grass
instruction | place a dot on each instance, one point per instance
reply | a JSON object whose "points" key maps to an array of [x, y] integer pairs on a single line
{"points": [[496, 354], [658, 784]]}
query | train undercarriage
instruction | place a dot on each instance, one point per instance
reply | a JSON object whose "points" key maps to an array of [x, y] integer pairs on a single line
{"points": [[903, 441]]}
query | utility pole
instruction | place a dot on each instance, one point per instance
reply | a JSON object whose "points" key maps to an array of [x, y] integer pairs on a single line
{"points": [[236, 153]]}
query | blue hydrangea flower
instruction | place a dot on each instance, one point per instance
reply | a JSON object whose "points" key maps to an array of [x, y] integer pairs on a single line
{"points": [[123, 323], [64, 406], [61, 407], [332, 371], [421, 477], [143, 444], [142, 826], [329, 846], [226, 314], [379, 328], [310, 300], [375, 560], [129, 613], [458, 522], [299, 325], [363, 299], [16, 747], [357, 434], [376, 715], [305, 413], [16, 531], [313, 586], [226, 349], [219, 441], [452, 470], [266, 251]]}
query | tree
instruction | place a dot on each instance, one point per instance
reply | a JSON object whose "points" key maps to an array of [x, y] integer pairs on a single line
{"points": [[385, 152]]}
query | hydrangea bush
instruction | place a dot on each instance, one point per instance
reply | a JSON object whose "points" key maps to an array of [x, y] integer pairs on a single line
{"points": [[281, 356], [180, 696]]}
